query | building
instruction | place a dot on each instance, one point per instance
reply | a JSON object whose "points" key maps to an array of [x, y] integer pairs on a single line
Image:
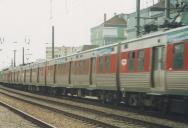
{"points": [[112, 30], [60, 51], [123, 26], [87, 47], [152, 15]]}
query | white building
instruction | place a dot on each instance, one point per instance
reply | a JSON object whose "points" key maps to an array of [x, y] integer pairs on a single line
{"points": [[60, 51]]}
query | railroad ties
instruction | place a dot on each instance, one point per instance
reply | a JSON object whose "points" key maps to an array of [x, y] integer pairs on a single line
{"points": [[19, 118], [80, 114]]}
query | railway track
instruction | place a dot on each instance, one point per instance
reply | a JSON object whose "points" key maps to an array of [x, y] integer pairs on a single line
{"points": [[98, 116], [27, 116]]}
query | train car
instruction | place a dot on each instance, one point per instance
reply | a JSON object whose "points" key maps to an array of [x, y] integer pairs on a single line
{"points": [[41, 76], [22, 75], [50, 73], [177, 62], [27, 74], [17, 73], [82, 72], [153, 70], [34, 73], [148, 71], [1, 76], [107, 72], [5, 76], [62, 72], [11, 75], [142, 66]]}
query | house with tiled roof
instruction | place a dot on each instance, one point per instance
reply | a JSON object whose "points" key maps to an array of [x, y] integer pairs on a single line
{"points": [[123, 26], [110, 31]]}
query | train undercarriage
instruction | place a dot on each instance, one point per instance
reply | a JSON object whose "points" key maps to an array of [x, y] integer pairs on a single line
{"points": [[163, 103]]}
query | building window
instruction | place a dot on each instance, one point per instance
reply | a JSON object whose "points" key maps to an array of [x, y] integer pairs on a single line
{"points": [[178, 56], [140, 60], [131, 61]]}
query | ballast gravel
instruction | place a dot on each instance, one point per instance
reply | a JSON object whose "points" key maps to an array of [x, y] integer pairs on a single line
{"points": [[56, 119], [9, 119]]}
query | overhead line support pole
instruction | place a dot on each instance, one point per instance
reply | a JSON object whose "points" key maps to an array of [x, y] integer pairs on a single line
{"points": [[138, 18], [52, 42]]}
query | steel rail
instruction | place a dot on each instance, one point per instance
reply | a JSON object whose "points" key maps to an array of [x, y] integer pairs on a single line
{"points": [[27, 116], [120, 118]]}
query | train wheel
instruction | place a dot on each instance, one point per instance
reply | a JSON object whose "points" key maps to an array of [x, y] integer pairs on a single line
{"points": [[64, 92], [102, 97], [133, 100]]}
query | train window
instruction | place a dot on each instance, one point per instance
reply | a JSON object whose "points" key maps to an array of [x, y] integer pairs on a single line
{"points": [[140, 60], [100, 64], [131, 61], [94, 65], [125, 46], [112, 49], [64, 68], [178, 56], [82, 67], [78, 67], [107, 62]]}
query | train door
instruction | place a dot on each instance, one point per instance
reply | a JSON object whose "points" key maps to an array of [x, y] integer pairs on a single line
{"points": [[158, 73], [92, 70], [54, 74], [70, 70]]}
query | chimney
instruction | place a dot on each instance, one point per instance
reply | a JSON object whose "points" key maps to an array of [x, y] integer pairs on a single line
{"points": [[104, 17]]}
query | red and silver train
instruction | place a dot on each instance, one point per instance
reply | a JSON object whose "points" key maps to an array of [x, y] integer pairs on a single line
{"points": [[147, 71]]}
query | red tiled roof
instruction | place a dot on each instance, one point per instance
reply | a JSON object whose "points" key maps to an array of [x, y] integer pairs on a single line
{"points": [[116, 20]]}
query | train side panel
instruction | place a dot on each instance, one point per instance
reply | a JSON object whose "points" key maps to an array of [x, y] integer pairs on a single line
{"points": [[136, 65], [34, 74], [50, 70], [42, 74], [106, 64], [177, 67], [62, 74], [28, 75]]}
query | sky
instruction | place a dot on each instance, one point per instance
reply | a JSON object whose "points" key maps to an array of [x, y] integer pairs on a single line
{"points": [[31, 20]]}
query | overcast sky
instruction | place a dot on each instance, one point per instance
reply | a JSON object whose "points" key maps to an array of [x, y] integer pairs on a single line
{"points": [[30, 19]]}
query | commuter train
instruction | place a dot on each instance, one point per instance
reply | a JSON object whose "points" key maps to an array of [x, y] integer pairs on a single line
{"points": [[148, 71]]}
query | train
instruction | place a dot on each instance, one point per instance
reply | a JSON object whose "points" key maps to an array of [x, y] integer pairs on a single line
{"points": [[149, 71]]}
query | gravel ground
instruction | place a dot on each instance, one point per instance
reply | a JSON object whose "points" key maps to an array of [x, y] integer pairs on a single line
{"points": [[9, 119], [133, 115], [88, 114], [56, 119], [122, 113]]}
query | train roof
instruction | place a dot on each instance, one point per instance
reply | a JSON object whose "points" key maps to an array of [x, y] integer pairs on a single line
{"points": [[170, 33], [159, 33]]}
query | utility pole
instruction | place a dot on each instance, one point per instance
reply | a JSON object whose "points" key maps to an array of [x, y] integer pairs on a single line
{"points": [[52, 42], [14, 58], [51, 18], [167, 9], [23, 55], [11, 62], [137, 18]]}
